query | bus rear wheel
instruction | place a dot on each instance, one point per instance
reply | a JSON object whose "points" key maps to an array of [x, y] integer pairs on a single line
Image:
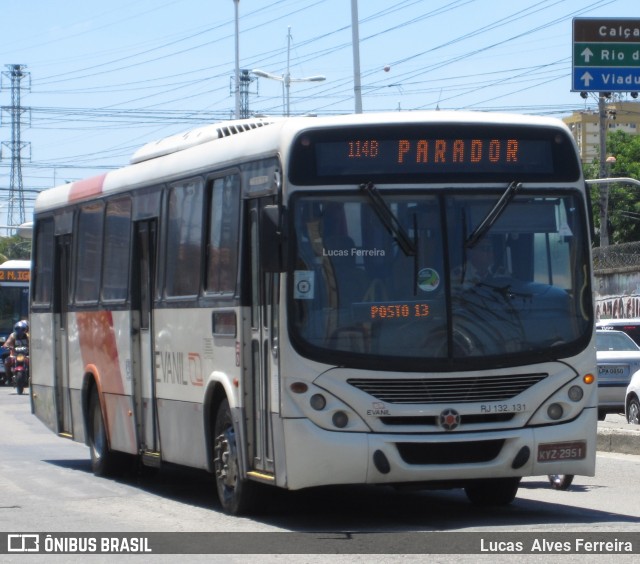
{"points": [[236, 495], [104, 462], [493, 492]]}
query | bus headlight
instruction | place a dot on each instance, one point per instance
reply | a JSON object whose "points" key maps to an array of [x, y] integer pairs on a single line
{"points": [[340, 419], [318, 402], [321, 407], [567, 402], [575, 393], [555, 411]]}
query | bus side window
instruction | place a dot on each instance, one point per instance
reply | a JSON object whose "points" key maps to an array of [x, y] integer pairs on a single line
{"points": [[184, 236], [222, 244], [43, 273], [117, 241], [89, 253]]}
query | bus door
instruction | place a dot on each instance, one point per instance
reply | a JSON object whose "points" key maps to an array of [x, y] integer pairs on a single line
{"points": [[260, 368], [62, 280], [142, 346]]}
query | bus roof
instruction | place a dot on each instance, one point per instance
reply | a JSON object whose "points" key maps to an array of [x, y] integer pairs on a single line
{"points": [[13, 264], [196, 151]]}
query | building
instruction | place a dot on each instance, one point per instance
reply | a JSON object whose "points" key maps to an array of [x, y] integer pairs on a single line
{"points": [[584, 125]]}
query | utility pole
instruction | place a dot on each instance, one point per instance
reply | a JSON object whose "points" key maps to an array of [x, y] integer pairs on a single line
{"points": [[286, 78], [245, 82], [604, 188], [15, 209], [355, 40]]}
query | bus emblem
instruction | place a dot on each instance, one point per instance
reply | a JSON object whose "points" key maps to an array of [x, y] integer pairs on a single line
{"points": [[449, 419]]}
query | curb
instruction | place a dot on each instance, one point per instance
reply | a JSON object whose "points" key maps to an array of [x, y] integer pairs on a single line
{"points": [[618, 437]]}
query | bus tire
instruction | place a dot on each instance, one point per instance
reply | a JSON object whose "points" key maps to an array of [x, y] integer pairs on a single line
{"points": [[493, 492], [104, 462], [236, 495]]}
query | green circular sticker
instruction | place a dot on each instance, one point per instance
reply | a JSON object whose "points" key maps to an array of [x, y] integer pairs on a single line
{"points": [[428, 280]]}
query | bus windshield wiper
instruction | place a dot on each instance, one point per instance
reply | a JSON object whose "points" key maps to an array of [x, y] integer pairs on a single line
{"points": [[493, 215], [389, 220]]}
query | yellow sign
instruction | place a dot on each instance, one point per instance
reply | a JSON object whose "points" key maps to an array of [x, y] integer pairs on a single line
{"points": [[14, 275]]}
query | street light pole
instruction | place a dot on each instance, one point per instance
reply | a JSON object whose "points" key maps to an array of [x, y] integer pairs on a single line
{"points": [[237, 79], [355, 40], [604, 188], [286, 78]]}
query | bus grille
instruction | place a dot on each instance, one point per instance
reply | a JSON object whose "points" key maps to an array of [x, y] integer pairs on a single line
{"points": [[447, 390], [469, 452]]}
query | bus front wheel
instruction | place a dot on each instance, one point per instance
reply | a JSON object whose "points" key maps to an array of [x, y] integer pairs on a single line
{"points": [[493, 492], [236, 495]]}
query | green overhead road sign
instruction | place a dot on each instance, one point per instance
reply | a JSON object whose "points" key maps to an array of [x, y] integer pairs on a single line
{"points": [[606, 55]]}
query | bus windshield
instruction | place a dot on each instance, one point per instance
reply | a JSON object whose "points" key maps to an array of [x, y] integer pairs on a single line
{"points": [[423, 276], [14, 306], [14, 294]]}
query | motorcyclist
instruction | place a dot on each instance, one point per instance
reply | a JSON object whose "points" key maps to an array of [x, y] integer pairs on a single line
{"points": [[19, 338]]}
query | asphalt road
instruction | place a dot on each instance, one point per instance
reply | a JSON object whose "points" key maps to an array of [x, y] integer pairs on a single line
{"points": [[46, 484]]}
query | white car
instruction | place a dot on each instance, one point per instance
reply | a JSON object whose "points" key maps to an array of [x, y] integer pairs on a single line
{"points": [[632, 400], [618, 359]]}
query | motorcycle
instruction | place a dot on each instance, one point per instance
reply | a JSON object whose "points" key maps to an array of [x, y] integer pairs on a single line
{"points": [[560, 481], [21, 369], [5, 379]]}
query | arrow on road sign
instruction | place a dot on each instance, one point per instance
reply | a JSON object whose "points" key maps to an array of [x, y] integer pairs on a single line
{"points": [[586, 78], [587, 54]]}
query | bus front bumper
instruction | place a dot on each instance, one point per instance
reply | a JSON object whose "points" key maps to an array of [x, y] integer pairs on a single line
{"points": [[316, 457]]}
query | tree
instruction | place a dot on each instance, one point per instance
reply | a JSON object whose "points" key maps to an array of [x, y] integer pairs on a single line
{"points": [[624, 200], [14, 247]]}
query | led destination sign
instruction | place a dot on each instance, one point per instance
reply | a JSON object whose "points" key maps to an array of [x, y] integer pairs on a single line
{"points": [[400, 154], [14, 275], [436, 152], [416, 155], [392, 310]]}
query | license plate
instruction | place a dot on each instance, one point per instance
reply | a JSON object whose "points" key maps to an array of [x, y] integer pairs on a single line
{"points": [[550, 452], [613, 370]]}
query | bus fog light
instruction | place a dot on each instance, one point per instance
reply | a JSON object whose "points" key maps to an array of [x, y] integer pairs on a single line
{"points": [[575, 393], [340, 419], [555, 411], [318, 402]]}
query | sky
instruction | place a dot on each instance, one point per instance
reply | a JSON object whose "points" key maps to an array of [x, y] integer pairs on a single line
{"points": [[100, 79]]}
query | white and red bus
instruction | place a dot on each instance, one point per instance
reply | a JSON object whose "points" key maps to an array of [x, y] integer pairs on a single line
{"points": [[296, 303]]}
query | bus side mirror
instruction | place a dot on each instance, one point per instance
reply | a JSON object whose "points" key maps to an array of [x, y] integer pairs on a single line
{"points": [[271, 240]]}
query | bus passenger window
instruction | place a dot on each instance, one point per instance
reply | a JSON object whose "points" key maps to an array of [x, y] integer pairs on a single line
{"points": [[43, 270], [117, 239], [184, 236], [89, 255], [222, 244]]}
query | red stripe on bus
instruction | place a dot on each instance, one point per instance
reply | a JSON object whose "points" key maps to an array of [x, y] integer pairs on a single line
{"points": [[87, 187], [98, 347]]}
